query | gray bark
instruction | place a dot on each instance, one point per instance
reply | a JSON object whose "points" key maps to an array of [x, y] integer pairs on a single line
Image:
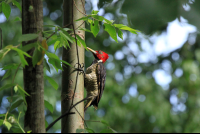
{"points": [[32, 22], [72, 122]]}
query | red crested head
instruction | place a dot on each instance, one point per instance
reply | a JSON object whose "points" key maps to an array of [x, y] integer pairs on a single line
{"points": [[100, 55]]}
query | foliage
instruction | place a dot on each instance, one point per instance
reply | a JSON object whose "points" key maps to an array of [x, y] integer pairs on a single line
{"points": [[133, 101], [59, 37]]}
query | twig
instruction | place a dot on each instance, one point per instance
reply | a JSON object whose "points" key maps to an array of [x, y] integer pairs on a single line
{"points": [[78, 9], [65, 114], [81, 117], [55, 32]]}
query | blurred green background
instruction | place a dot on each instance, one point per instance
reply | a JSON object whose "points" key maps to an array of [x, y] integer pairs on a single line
{"points": [[152, 82]]}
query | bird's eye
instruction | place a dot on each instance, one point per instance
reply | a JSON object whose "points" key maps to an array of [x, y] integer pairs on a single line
{"points": [[100, 52]]}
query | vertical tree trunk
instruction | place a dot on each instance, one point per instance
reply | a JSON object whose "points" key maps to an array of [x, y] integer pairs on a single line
{"points": [[72, 122], [32, 22]]}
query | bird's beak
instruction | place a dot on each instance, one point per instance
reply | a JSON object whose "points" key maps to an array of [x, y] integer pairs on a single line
{"points": [[91, 50]]}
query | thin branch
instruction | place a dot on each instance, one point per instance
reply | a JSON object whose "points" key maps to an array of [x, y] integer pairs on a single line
{"points": [[65, 114], [78, 9], [81, 117], [55, 32]]}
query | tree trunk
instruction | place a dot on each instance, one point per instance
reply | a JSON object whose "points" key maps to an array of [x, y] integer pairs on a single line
{"points": [[74, 121], [32, 22]]}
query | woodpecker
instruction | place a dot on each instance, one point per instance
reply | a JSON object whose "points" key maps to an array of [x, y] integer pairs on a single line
{"points": [[95, 77]]}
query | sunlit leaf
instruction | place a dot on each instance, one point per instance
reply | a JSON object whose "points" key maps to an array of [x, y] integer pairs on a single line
{"points": [[94, 27], [6, 9], [22, 90], [27, 37], [111, 30], [15, 89], [56, 45], [20, 51], [48, 106], [95, 11], [7, 124], [124, 27], [52, 82]]}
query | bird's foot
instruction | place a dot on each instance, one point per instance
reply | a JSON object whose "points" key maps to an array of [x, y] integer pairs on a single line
{"points": [[80, 68]]}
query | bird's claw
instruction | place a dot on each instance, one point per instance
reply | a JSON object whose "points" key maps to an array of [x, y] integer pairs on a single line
{"points": [[80, 68]]}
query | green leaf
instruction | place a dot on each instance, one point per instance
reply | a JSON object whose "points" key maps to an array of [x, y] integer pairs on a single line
{"points": [[23, 61], [95, 11], [2, 115], [1, 122], [47, 65], [48, 106], [108, 21], [120, 34], [6, 9], [66, 63], [20, 51], [97, 17], [83, 18], [104, 122], [17, 19], [65, 35], [48, 25], [37, 54], [95, 27], [7, 124], [22, 90], [29, 131], [86, 30], [106, 131], [46, 124], [82, 41], [111, 30], [56, 64], [15, 88], [16, 104], [7, 86], [17, 4], [7, 74], [124, 27], [80, 131], [27, 37], [56, 45], [10, 66], [16, 130], [14, 98], [90, 130], [28, 47], [52, 82]]}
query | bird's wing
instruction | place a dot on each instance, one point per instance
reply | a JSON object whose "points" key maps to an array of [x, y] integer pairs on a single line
{"points": [[101, 78]]}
